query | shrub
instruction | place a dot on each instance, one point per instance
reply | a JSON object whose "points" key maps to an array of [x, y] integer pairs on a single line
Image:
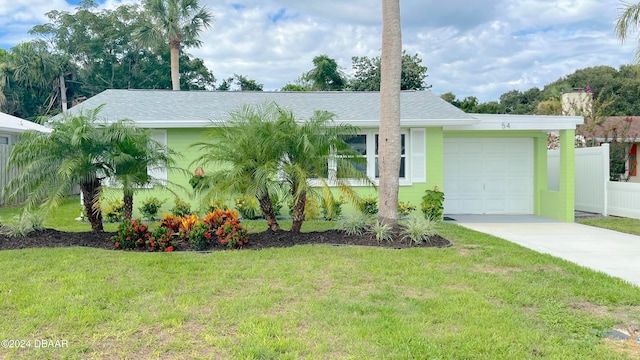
{"points": [[405, 208], [114, 212], [199, 236], [332, 208], [248, 207], [216, 204], [161, 239], [355, 224], [232, 234], [419, 230], [171, 222], [181, 208], [217, 217], [131, 234], [150, 207], [433, 204], [382, 232], [369, 205], [187, 223]]}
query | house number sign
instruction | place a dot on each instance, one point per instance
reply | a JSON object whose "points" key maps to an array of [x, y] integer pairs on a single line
{"points": [[506, 125]]}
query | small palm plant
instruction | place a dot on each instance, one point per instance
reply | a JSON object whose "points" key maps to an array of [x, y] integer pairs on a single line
{"points": [[78, 151]]}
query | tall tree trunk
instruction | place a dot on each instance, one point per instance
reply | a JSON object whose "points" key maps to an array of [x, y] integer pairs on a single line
{"points": [[175, 64], [389, 143], [267, 209], [298, 212], [91, 195], [63, 92], [128, 205]]}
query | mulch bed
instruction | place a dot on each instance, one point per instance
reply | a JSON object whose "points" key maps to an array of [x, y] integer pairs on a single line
{"points": [[50, 238]]}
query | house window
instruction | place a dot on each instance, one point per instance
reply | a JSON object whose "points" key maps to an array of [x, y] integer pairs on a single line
{"points": [[359, 144], [403, 157], [367, 146], [4, 140]]}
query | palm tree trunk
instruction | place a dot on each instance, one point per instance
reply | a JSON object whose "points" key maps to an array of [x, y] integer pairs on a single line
{"points": [[298, 213], [175, 64], [267, 209], [389, 142], [63, 92], [91, 195], [128, 206]]}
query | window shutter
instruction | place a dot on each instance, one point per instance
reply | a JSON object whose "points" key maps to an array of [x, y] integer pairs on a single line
{"points": [[418, 155], [160, 174]]}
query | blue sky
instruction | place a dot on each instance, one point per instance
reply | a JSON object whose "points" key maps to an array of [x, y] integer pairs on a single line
{"points": [[481, 48]]}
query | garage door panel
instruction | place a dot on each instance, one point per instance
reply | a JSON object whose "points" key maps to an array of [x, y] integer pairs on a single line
{"points": [[494, 205], [494, 185], [495, 167], [488, 175]]}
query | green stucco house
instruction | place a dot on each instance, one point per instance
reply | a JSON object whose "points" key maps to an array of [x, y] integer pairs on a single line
{"points": [[485, 164]]}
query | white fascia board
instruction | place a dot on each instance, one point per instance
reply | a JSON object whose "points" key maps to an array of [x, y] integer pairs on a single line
{"points": [[521, 122], [18, 130], [414, 122]]}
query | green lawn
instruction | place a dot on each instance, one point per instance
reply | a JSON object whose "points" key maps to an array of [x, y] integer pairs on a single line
{"points": [[483, 298], [631, 226]]}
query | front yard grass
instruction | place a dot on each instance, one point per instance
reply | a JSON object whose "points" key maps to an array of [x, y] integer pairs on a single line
{"points": [[626, 225], [483, 298]]}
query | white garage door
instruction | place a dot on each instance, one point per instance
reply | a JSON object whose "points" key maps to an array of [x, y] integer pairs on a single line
{"points": [[488, 175]]}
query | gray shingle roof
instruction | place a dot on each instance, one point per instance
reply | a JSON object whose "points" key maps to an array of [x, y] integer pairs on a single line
{"points": [[172, 108]]}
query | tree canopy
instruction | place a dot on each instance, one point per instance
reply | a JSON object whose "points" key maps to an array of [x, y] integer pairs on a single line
{"points": [[618, 88], [366, 75], [84, 53]]}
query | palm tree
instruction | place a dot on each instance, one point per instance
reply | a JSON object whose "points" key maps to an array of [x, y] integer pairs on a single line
{"points": [[628, 21], [242, 147], [390, 142], [133, 156], [76, 152], [177, 21], [310, 150]]}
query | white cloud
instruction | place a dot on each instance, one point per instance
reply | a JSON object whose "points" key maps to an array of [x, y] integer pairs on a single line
{"points": [[481, 48]]}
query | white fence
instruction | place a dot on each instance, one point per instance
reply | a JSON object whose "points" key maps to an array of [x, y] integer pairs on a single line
{"points": [[6, 175], [593, 190]]}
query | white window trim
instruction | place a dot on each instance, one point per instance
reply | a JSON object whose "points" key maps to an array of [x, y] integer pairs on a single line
{"points": [[371, 165]]}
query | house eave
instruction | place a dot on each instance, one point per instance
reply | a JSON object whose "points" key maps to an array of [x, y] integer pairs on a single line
{"points": [[488, 122], [171, 124]]}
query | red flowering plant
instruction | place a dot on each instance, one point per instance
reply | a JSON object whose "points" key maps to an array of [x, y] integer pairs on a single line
{"points": [[232, 234], [199, 236], [131, 235], [161, 239]]}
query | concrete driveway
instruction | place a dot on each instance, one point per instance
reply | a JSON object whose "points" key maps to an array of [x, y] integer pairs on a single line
{"points": [[611, 252]]}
